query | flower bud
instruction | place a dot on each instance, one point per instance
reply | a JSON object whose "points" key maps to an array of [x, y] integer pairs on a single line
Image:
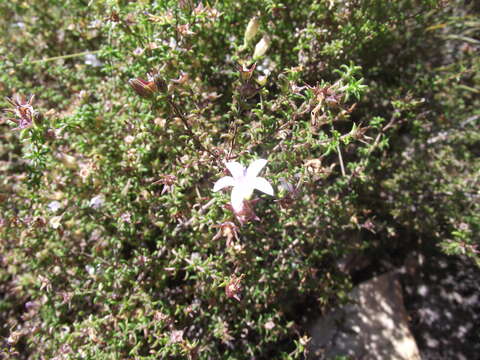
{"points": [[69, 161], [37, 118], [262, 80], [160, 83], [145, 89], [261, 47], [251, 30]]}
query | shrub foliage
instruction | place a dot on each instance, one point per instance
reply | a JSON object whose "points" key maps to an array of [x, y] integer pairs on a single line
{"points": [[113, 244]]}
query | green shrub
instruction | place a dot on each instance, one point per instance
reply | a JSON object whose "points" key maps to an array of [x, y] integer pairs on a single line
{"points": [[114, 244]]}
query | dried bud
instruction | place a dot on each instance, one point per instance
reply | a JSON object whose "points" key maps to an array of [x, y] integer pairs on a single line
{"points": [[14, 337], [182, 79], [113, 17], [233, 288], [261, 47], [248, 90], [227, 230], [184, 30], [25, 114], [245, 72], [252, 29], [37, 117], [168, 181], [313, 165]]}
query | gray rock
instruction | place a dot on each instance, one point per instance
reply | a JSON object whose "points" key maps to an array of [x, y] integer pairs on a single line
{"points": [[373, 326]]}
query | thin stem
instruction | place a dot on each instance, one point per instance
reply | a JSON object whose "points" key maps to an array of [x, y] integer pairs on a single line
{"points": [[195, 139], [232, 144], [235, 129], [125, 27], [65, 56]]}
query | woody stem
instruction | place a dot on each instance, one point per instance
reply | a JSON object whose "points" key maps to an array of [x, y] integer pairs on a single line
{"points": [[195, 139]]}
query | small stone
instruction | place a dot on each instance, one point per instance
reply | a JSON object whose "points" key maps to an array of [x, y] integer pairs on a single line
{"points": [[373, 326]]}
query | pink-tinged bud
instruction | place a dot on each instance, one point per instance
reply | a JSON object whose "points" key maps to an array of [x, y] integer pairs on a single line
{"points": [[246, 213], [252, 29], [145, 89], [148, 88]]}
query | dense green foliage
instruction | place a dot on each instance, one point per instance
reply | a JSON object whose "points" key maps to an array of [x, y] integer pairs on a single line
{"points": [[112, 243]]}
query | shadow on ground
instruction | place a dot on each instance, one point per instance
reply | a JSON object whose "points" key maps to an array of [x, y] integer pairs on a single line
{"points": [[442, 299]]}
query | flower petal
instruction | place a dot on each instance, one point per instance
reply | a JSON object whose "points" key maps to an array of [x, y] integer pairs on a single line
{"points": [[223, 183], [236, 169], [241, 191], [237, 198], [255, 167], [263, 185]]}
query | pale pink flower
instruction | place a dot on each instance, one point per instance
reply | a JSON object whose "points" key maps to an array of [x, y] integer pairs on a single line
{"points": [[244, 181]]}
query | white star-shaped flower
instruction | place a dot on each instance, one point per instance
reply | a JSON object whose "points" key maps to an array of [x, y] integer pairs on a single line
{"points": [[244, 181]]}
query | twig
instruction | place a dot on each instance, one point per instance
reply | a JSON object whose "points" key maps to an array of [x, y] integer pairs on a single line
{"points": [[232, 144], [235, 128], [189, 221], [384, 129], [340, 159]]}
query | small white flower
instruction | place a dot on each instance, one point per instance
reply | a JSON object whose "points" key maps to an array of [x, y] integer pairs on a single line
{"points": [[20, 25], [92, 60], [244, 182], [90, 270], [54, 206], [97, 201]]}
